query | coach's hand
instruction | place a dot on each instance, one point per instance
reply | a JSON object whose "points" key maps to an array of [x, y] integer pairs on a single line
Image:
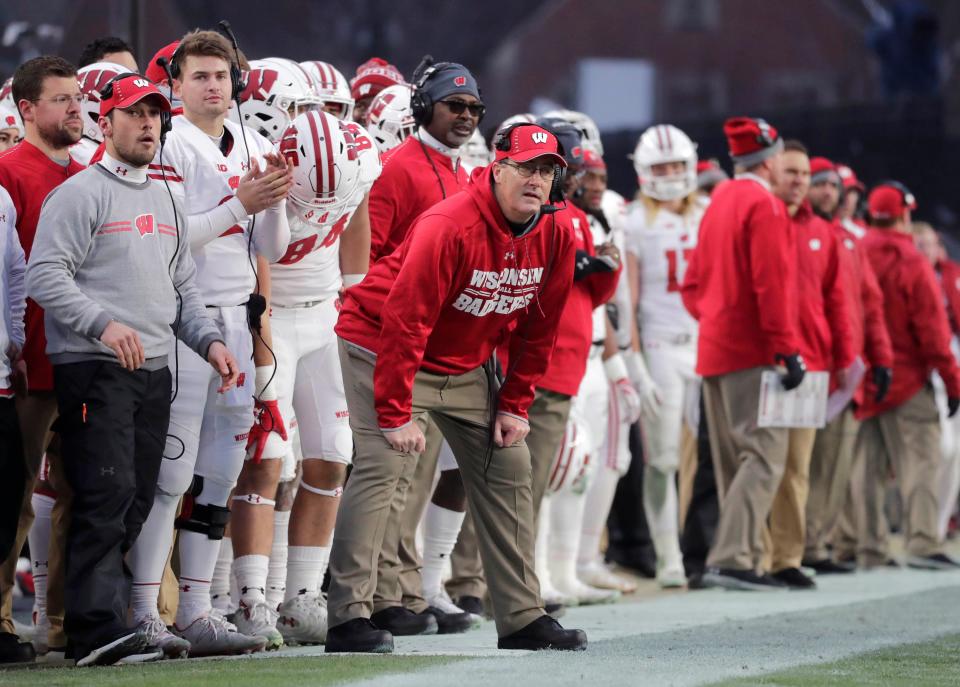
{"points": [[224, 363], [509, 430], [407, 439], [259, 190], [125, 342], [796, 369]]}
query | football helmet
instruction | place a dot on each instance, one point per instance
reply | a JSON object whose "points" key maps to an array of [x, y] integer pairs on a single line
{"points": [[326, 167], [475, 153], [660, 144], [92, 79], [277, 90], [573, 457], [570, 138], [331, 86], [522, 118], [390, 119], [589, 133]]}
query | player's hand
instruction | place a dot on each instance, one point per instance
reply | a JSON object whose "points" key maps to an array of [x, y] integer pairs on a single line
{"points": [[259, 190], [610, 254], [796, 369], [651, 399], [407, 439], [630, 400], [18, 370], [882, 377], [125, 343], [225, 364], [509, 430], [267, 419]]}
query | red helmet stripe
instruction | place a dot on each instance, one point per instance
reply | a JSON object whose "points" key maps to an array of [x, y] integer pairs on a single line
{"points": [[666, 131], [325, 169]]}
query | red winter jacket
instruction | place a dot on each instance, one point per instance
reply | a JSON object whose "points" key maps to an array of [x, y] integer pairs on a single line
{"points": [[949, 272], [29, 175], [916, 320], [741, 280], [415, 177], [825, 330], [445, 299]]}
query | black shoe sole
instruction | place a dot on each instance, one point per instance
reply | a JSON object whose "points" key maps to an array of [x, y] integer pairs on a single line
{"points": [[578, 643], [380, 647]]}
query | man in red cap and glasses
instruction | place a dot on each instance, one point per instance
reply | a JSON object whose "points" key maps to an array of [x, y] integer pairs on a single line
{"points": [[901, 433], [108, 227], [741, 286], [417, 338]]}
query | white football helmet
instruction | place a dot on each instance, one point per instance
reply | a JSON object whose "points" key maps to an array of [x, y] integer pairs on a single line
{"points": [[389, 117], [92, 79], [10, 118], [522, 118], [330, 85], [589, 132], [573, 458], [660, 144], [326, 167], [277, 91], [475, 153]]}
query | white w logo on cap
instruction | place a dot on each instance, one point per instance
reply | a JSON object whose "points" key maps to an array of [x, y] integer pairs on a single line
{"points": [[141, 83], [539, 137]]}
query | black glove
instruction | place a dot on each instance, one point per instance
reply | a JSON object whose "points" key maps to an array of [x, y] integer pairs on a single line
{"points": [[882, 376], [952, 405], [796, 369], [587, 264]]}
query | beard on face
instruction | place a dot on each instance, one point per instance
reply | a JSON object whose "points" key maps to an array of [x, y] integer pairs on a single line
{"points": [[135, 155], [58, 136]]}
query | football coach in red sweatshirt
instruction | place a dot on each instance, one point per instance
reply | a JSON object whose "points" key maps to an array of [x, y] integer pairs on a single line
{"points": [[416, 338], [741, 286]]}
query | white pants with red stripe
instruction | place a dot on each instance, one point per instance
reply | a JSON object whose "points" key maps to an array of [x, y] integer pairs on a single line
{"points": [[948, 480]]}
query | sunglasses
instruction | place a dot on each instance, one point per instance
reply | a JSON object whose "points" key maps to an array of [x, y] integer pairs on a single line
{"points": [[458, 106]]}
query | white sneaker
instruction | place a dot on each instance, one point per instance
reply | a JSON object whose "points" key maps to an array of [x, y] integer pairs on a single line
{"points": [[552, 595], [584, 593], [212, 635], [443, 603], [41, 630], [596, 574], [259, 620], [303, 619], [157, 634], [672, 577]]}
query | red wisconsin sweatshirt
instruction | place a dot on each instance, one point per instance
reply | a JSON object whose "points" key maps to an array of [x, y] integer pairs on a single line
{"points": [[446, 298], [741, 280], [415, 177], [29, 175]]}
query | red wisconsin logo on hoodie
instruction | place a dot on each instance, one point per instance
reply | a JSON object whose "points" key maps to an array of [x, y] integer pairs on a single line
{"points": [[144, 224]]}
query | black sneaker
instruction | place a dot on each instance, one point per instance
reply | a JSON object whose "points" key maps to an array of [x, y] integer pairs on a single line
{"points": [[12, 650], [402, 622], [450, 623], [794, 579], [830, 567], [936, 561], [695, 581], [544, 633], [741, 580], [131, 644], [638, 559], [470, 604], [555, 610], [358, 635]]}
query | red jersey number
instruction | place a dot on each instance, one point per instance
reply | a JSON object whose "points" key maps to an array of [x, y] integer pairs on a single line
{"points": [[298, 250], [673, 278]]}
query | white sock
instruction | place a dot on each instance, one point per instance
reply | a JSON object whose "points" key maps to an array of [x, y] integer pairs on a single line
{"points": [[220, 584], [441, 527], [277, 574], [602, 489], [39, 538], [661, 509], [251, 574], [198, 558], [148, 557], [566, 519], [304, 566], [540, 548]]}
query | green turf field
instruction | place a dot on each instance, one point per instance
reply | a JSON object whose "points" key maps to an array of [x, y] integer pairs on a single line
{"points": [[317, 671], [928, 664]]}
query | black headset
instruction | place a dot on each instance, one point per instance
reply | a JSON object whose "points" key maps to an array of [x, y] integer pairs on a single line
{"points": [[166, 124], [421, 102], [905, 194], [502, 143], [172, 66]]}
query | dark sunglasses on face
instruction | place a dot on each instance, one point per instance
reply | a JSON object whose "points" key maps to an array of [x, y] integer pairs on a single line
{"points": [[458, 106]]}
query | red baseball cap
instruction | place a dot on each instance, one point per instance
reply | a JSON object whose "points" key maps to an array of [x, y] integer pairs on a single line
{"points": [[593, 162], [889, 200], [751, 141], [155, 72], [529, 141], [849, 179], [130, 89]]}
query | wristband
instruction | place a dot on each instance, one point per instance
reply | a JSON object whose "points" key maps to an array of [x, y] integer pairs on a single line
{"points": [[615, 367], [352, 279], [262, 390]]}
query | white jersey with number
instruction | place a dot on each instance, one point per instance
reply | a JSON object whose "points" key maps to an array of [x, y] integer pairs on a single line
{"points": [[614, 214], [83, 150], [662, 242], [310, 269], [202, 177]]}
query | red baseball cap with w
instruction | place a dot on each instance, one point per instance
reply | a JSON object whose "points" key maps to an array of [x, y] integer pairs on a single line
{"points": [[525, 142], [130, 89]]}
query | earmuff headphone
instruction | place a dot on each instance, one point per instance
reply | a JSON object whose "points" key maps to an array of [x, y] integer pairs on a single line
{"points": [[166, 124], [502, 143], [909, 200], [172, 66]]}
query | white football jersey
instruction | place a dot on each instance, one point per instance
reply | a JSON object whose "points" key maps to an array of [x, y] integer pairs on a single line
{"points": [[202, 177], [614, 218], [662, 243], [310, 269], [83, 150]]}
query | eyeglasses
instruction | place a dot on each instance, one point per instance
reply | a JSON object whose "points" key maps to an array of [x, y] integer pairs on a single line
{"points": [[64, 100], [458, 106], [546, 171]]}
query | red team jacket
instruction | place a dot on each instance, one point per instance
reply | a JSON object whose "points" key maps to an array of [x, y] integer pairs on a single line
{"points": [[29, 175], [916, 320], [825, 331], [741, 280], [445, 300], [407, 186], [949, 272]]}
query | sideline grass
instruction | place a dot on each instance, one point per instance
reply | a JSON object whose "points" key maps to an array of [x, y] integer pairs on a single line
{"points": [[312, 671], [927, 664]]}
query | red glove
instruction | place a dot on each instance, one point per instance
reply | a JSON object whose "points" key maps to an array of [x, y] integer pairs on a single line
{"points": [[267, 419]]}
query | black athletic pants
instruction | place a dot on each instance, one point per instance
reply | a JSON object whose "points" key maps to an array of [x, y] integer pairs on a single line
{"points": [[703, 513], [14, 475], [113, 426]]}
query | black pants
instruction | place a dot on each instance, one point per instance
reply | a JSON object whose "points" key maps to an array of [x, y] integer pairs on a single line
{"points": [[704, 511], [14, 475], [113, 426], [629, 535]]}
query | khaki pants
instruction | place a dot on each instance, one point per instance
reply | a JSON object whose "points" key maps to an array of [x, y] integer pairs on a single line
{"points": [[906, 442], [499, 495], [749, 463], [36, 414], [398, 571], [830, 467], [687, 471], [785, 534]]}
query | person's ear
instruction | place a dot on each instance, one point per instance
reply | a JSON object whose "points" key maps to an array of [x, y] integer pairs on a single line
{"points": [[106, 127]]}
